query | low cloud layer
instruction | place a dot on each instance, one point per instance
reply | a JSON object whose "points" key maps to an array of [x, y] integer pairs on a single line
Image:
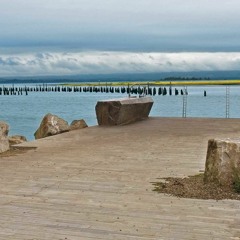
{"points": [[40, 64]]}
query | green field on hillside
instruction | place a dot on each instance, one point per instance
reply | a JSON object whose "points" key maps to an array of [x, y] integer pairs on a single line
{"points": [[160, 83]]}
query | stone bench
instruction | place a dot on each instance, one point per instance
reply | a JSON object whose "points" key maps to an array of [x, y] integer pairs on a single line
{"points": [[123, 110], [223, 161]]}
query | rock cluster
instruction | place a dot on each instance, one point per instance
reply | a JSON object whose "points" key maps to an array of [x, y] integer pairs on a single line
{"points": [[50, 125], [53, 125], [223, 161]]}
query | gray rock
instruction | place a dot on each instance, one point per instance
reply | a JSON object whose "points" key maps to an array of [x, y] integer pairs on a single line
{"points": [[123, 111], [16, 139], [223, 161], [51, 125], [4, 143], [78, 124]]}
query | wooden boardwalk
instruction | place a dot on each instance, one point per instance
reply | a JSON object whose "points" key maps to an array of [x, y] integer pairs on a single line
{"points": [[95, 183]]}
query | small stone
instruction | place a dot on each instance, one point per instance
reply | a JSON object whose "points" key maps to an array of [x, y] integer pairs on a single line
{"points": [[16, 139], [4, 143], [78, 124]]}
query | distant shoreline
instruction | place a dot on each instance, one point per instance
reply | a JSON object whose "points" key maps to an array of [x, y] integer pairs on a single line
{"points": [[125, 77], [159, 83]]}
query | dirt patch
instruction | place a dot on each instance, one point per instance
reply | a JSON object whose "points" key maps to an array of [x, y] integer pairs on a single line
{"points": [[194, 187]]}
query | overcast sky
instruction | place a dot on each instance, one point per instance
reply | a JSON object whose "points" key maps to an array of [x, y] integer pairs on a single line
{"points": [[96, 28]]}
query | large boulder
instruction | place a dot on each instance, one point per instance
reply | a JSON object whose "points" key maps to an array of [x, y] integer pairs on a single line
{"points": [[16, 139], [4, 144], [223, 161], [51, 125], [78, 124], [123, 111]]}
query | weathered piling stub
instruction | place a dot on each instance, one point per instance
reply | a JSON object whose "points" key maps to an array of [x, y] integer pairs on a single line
{"points": [[223, 161], [123, 111]]}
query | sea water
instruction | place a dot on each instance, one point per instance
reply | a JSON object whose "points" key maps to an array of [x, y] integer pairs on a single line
{"points": [[24, 113]]}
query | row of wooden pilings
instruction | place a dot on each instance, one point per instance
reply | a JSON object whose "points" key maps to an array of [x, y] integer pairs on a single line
{"points": [[94, 89]]}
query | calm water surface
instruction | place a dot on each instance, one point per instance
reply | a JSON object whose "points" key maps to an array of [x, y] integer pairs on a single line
{"points": [[24, 113]]}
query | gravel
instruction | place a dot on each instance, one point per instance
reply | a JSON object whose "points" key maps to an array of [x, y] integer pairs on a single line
{"points": [[194, 187]]}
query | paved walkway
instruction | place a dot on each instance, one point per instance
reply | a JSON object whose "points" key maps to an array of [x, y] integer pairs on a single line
{"points": [[95, 183]]}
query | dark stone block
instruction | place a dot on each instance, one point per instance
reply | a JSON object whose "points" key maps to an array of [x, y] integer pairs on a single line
{"points": [[123, 111]]}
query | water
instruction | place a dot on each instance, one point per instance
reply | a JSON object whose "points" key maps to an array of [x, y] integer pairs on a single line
{"points": [[24, 113]]}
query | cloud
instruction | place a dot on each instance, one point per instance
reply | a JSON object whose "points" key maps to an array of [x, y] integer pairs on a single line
{"points": [[65, 63], [136, 25]]}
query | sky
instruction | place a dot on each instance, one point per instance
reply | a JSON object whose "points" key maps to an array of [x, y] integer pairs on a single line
{"points": [[64, 37]]}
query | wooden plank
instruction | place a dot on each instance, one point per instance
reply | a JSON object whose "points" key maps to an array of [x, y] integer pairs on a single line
{"points": [[95, 183]]}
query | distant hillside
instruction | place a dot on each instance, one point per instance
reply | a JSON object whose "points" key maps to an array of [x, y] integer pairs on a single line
{"points": [[123, 77]]}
